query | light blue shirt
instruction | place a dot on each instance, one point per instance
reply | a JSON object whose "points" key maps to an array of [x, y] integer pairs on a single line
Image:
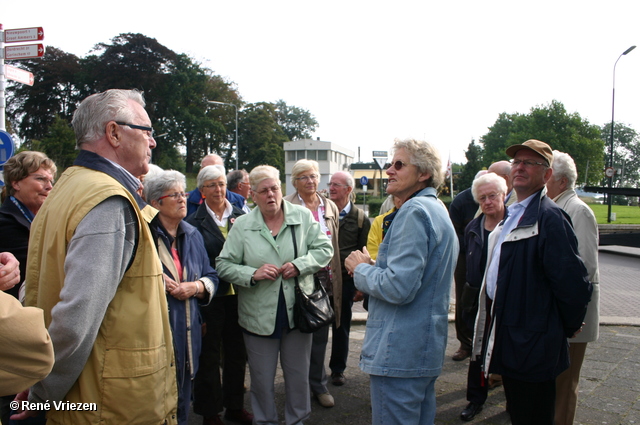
{"points": [[515, 214]]}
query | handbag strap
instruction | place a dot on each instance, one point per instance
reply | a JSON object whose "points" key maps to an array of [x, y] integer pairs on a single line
{"points": [[295, 252]]}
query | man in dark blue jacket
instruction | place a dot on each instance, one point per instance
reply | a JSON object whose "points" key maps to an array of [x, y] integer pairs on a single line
{"points": [[536, 289]]}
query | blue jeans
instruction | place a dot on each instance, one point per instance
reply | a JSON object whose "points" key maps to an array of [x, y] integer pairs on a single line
{"points": [[403, 401]]}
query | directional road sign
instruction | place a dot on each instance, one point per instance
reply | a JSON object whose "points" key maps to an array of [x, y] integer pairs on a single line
{"points": [[24, 51], [23, 34], [6, 146], [19, 75]]}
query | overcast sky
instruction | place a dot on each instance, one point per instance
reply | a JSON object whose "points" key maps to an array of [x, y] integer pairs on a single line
{"points": [[372, 71]]}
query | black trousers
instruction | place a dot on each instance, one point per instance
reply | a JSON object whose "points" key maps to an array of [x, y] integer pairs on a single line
{"points": [[530, 403], [222, 346], [340, 336]]}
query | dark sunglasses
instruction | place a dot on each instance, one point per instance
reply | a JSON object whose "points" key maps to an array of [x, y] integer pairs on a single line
{"points": [[397, 165]]}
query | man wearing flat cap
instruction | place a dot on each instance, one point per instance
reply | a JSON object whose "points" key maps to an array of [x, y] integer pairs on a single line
{"points": [[534, 294]]}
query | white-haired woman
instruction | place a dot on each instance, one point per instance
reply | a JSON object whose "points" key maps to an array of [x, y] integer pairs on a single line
{"points": [[305, 176], [408, 287], [258, 257], [189, 279], [214, 219], [489, 191]]}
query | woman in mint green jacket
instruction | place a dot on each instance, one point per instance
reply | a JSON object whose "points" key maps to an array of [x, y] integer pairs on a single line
{"points": [[258, 257]]}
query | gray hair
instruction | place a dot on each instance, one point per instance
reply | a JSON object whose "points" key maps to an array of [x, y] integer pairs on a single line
{"points": [[94, 112], [263, 172], [158, 184], [301, 166], [425, 157], [564, 166], [488, 178], [348, 178], [234, 178], [210, 172]]}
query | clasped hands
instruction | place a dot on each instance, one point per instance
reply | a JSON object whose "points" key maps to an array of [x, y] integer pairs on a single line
{"points": [[180, 290], [271, 272], [357, 257]]}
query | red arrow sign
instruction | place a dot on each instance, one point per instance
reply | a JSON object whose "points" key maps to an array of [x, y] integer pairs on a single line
{"points": [[19, 75], [23, 34], [24, 51]]}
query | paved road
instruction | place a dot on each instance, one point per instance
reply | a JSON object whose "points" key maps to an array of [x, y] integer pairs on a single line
{"points": [[609, 385]]}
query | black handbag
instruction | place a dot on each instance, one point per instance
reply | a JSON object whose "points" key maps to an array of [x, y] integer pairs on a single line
{"points": [[311, 312]]}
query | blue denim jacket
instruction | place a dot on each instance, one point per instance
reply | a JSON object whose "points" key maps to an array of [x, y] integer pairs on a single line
{"points": [[409, 290]]}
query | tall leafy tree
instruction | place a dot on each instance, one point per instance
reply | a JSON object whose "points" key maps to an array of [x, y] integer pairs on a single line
{"points": [[55, 93], [470, 169], [626, 153], [59, 144], [261, 138], [563, 131], [297, 123]]}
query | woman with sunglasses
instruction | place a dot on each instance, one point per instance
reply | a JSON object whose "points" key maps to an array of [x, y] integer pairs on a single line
{"points": [[305, 176], [259, 258], [189, 279], [406, 337]]}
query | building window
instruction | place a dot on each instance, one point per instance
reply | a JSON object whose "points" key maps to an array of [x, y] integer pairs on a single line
{"points": [[300, 155], [322, 155], [312, 155], [291, 155]]}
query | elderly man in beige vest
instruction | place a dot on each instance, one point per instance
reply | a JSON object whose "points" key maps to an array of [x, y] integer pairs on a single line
{"points": [[94, 270]]}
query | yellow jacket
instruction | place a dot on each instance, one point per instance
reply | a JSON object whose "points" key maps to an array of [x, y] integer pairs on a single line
{"points": [[130, 372]]}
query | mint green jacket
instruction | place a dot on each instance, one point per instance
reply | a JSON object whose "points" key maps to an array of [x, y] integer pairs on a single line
{"points": [[249, 245]]}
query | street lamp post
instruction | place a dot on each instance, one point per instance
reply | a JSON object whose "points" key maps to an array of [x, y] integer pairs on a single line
{"points": [[613, 101], [236, 108]]}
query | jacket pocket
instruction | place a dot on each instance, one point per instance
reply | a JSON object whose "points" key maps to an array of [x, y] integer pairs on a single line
{"points": [[372, 340], [131, 362]]}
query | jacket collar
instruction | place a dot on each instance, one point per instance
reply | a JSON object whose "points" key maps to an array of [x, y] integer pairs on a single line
{"points": [[96, 162]]}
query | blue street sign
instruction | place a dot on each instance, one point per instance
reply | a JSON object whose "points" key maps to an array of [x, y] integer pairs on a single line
{"points": [[364, 180], [6, 146]]}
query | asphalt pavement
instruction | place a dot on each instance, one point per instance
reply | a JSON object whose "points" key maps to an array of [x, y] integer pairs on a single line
{"points": [[609, 384]]}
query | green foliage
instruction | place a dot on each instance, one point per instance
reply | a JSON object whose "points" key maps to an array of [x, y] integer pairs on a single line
{"points": [[626, 154], [55, 92], [297, 123], [261, 138], [474, 163], [563, 131], [176, 89]]}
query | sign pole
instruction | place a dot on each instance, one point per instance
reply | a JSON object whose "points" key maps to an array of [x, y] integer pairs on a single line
{"points": [[3, 82]]}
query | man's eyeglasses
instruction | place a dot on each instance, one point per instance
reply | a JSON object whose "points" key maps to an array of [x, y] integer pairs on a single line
{"points": [[529, 163], [220, 185], [175, 196], [311, 177], [266, 190], [149, 130], [397, 165], [491, 197]]}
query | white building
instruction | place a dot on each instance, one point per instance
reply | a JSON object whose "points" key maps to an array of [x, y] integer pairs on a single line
{"points": [[330, 157]]}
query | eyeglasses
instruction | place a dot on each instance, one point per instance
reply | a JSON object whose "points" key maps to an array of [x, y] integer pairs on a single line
{"points": [[336, 185], [149, 130], [220, 185], [528, 163], [175, 196], [266, 190], [397, 165], [492, 197], [311, 177]]}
